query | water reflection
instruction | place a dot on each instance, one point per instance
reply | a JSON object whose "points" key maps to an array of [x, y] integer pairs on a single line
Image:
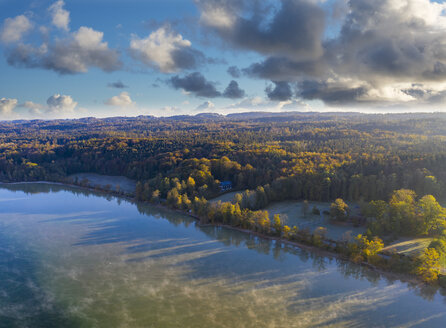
{"points": [[121, 267], [119, 230], [23, 303]]}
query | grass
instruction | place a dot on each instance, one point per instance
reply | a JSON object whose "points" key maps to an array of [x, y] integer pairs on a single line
{"points": [[227, 197], [94, 179], [412, 247], [292, 214]]}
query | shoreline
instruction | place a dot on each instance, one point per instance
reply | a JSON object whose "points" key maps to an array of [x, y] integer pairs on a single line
{"points": [[407, 278]]}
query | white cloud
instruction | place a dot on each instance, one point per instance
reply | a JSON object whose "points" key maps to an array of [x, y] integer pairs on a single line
{"points": [[14, 28], [294, 105], [60, 16], [170, 110], [121, 100], [207, 105], [7, 105], [61, 104], [86, 48], [165, 50], [217, 17], [34, 108], [75, 54], [56, 106], [432, 13], [31, 105], [259, 103]]}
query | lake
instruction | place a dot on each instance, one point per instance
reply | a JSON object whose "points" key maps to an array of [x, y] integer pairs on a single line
{"points": [[72, 258]]}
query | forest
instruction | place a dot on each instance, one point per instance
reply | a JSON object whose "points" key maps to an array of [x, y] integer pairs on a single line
{"points": [[392, 165]]}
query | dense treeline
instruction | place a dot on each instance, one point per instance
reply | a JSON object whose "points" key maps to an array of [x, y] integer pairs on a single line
{"points": [[291, 157], [407, 216]]}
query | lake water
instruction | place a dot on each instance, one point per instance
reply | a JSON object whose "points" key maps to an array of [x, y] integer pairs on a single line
{"points": [[70, 258]]}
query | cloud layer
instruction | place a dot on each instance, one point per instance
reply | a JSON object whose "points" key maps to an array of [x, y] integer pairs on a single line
{"points": [[382, 47], [382, 54]]}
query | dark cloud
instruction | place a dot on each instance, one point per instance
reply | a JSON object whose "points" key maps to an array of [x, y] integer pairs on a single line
{"points": [[330, 94], [233, 91], [424, 94], [117, 85], [381, 46], [381, 41], [188, 58], [281, 91], [234, 71], [416, 92], [195, 83], [283, 69], [293, 29]]}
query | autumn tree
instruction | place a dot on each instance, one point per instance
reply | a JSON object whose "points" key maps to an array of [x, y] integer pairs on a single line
{"points": [[190, 184], [433, 215], [277, 224], [363, 248], [428, 268], [155, 196], [339, 210]]}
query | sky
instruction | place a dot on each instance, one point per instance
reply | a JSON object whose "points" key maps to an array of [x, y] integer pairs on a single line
{"points": [[78, 58]]}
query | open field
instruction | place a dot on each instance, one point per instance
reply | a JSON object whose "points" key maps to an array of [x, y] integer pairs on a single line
{"points": [[125, 184], [413, 247], [227, 197], [409, 246], [291, 212]]}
